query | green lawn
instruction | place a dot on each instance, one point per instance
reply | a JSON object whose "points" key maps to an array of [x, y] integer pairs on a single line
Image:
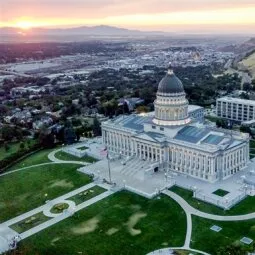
{"points": [[83, 148], [207, 240], [87, 194], [220, 192], [252, 144], [244, 207], [13, 148], [212, 118], [123, 224], [34, 159], [25, 190], [68, 157], [30, 222]]}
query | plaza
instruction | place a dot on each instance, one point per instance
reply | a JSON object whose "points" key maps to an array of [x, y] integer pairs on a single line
{"points": [[149, 185]]}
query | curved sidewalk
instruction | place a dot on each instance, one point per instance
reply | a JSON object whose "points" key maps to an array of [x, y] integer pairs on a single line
{"points": [[189, 209], [52, 157], [166, 251]]}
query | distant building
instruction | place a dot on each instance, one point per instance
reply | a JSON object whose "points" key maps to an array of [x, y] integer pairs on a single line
{"points": [[235, 109], [131, 102]]}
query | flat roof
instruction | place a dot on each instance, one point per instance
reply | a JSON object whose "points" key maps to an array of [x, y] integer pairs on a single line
{"points": [[237, 100], [191, 134], [213, 139]]}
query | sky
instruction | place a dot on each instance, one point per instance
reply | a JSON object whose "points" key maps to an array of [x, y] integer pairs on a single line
{"points": [[164, 15]]}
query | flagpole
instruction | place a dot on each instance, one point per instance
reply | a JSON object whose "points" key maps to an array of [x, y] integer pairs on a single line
{"points": [[109, 168]]}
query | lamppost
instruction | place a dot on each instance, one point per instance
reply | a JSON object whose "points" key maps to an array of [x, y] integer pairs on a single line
{"points": [[166, 178], [195, 191], [98, 173], [109, 168]]}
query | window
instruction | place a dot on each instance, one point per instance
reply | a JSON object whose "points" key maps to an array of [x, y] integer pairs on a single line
{"points": [[161, 129], [154, 127]]}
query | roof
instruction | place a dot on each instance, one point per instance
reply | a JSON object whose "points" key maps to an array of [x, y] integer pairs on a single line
{"points": [[192, 108], [134, 122], [152, 136], [213, 139], [237, 100], [191, 134], [170, 84]]}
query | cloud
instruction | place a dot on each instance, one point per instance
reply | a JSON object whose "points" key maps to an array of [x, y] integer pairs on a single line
{"points": [[105, 8]]}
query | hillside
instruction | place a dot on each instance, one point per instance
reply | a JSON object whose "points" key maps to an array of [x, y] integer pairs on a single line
{"points": [[249, 64]]}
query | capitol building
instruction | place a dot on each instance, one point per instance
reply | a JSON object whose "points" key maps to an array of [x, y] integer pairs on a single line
{"points": [[175, 139]]}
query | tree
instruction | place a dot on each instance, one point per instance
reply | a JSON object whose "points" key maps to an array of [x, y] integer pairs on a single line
{"points": [[6, 147], [22, 146], [69, 133], [247, 86], [96, 127], [142, 109], [244, 95], [46, 138]]}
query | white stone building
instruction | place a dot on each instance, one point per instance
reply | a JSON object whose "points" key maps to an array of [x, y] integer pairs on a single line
{"points": [[235, 109], [174, 141]]}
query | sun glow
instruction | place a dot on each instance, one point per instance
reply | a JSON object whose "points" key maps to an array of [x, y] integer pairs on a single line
{"points": [[24, 25]]}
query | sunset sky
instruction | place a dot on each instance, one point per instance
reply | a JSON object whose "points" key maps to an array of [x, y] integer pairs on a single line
{"points": [[164, 15]]}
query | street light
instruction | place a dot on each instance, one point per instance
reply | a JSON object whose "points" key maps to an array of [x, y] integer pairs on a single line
{"points": [[109, 167]]}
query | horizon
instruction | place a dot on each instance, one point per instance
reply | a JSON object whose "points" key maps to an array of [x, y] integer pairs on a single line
{"points": [[211, 16]]}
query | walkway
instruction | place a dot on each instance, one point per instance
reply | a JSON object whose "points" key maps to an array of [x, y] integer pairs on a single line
{"points": [[6, 233], [135, 182], [53, 158], [169, 251], [191, 210]]}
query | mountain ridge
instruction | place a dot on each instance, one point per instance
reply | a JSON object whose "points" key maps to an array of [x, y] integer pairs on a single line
{"points": [[81, 30]]}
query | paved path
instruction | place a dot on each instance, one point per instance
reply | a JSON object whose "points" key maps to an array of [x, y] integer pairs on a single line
{"points": [[53, 158], [6, 231], [47, 210], [65, 215], [27, 167], [53, 201], [189, 209], [169, 251]]}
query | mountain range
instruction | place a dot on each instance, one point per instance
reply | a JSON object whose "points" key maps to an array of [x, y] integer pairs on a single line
{"points": [[83, 30]]}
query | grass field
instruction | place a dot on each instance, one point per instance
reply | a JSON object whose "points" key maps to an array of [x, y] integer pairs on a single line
{"points": [[13, 148], [25, 190], [30, 222], [220, 192], [212, 118], [87, 194], [34, 159], [207, 240], [244, 207], [250, 64], [123, 224], [68, 157]]}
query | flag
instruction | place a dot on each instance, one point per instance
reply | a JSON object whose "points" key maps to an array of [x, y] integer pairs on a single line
{"points": [[104, 152]]}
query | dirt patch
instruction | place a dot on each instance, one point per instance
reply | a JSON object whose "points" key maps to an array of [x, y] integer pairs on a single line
{"points": [[118, 206], [132, 221], [62, 183], [86, 227], [53, 241], [135, 207], [112, 231]]}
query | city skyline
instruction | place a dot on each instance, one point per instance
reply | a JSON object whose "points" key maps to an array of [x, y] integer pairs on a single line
{"points": [[169, 16]]}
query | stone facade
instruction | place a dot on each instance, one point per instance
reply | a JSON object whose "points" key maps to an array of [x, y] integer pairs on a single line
{"points": [[177, 143]]}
